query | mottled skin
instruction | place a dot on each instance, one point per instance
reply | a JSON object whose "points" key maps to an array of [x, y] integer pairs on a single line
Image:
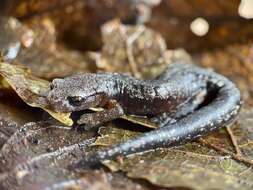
{"points": [[195, 100]]}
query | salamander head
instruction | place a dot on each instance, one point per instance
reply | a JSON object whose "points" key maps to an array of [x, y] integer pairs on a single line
{"points": [[73, 93]]}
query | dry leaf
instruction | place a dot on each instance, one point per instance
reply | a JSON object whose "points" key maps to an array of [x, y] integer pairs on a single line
{"points": [[31, 90]]}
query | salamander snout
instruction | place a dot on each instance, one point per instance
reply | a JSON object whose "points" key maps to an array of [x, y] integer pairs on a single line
{"points": [[58, 96]]}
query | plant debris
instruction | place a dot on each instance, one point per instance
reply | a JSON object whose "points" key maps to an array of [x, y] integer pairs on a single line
{"points": [[62, 38]]}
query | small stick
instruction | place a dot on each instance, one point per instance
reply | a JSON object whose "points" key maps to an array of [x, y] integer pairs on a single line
{"points": [[237, 157], [234, 141], [129, 49]]}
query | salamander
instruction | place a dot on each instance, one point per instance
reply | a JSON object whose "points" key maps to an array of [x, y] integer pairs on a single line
{"points": [[190, 101]]}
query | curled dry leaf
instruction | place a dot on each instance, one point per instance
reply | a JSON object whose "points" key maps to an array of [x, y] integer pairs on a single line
{"points": [[31, 90]]}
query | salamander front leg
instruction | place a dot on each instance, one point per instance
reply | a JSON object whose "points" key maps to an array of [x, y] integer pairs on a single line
{"points": [[112, 111]]}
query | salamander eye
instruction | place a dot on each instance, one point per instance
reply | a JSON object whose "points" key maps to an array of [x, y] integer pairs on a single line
{"points": [[56, 83], [75, 100]]}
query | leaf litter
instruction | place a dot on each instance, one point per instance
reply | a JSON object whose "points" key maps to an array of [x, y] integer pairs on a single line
{"points": [[42, 163]]}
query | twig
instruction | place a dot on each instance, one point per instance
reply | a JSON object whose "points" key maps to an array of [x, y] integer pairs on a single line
{"points": [[129, 49], [245, 171], [193, 154], [246, 144], [234, 141], [237, 157]]}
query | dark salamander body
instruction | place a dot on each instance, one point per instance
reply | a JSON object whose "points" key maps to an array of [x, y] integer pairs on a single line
{"points": [[195, 100]]}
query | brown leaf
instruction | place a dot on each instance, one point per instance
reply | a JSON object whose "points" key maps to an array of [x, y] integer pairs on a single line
{"points": [[183, 168], [38, 155], [191, 166]]}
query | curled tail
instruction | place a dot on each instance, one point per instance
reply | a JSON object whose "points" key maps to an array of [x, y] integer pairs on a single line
{"points": [[220, 111]]}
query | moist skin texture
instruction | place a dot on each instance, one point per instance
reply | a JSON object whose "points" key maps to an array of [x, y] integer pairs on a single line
{"points": [[187, 102]]}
